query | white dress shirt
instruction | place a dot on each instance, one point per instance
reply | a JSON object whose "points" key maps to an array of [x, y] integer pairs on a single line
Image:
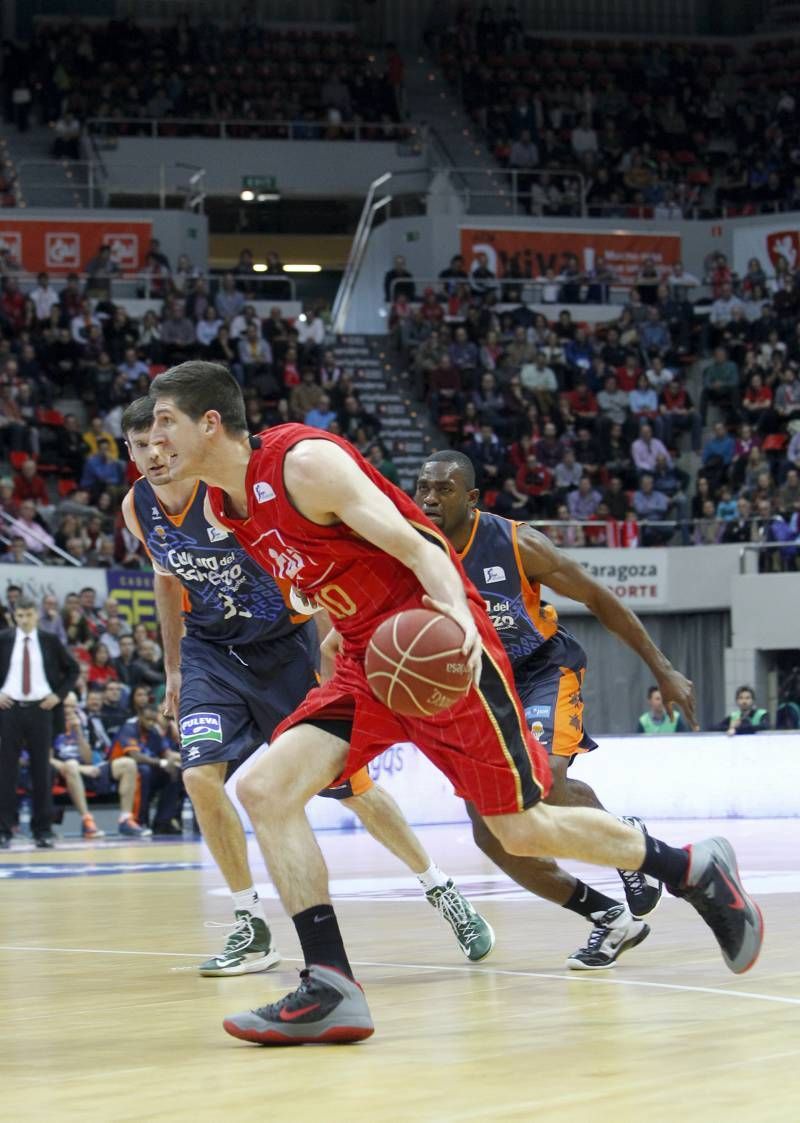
{"points": [[40, 687]]}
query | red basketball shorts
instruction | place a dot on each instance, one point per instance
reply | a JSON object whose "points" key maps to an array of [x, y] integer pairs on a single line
{"points": [[482, 744]]}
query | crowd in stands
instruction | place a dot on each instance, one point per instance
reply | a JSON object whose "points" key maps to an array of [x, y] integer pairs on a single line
{"points": [[112, 739], [62, 474], [585, 426], [318, 82], [655, 128]]}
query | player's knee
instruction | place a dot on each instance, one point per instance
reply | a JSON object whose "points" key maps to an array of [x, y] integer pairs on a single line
{"points": [[71, 768], [124, 766], [256, 792], [523, 835], [202, 781]]}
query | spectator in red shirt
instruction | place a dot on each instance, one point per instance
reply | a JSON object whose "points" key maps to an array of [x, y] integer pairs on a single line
{"points": [[583, 404], [757, 401], [628, 374], [431, 311], [678, 414], [12, 305], [536, 481], [28, 484], [101, 669]]}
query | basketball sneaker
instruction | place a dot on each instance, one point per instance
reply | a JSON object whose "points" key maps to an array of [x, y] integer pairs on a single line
{"points": [[131, 829], [613, 933], [474, 934], [247, 950], [713, 887], [327, 1006], [90, 829], [641, 892]]}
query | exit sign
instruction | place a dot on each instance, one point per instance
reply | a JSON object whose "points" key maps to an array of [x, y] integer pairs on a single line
{"points": [[258, 183]]}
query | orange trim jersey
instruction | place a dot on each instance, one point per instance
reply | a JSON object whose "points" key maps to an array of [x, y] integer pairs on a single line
{"points": [[492, 561]]}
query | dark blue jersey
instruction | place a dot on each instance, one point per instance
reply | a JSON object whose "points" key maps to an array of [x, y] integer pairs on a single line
{"points": [[228, 598], [492, 561]]}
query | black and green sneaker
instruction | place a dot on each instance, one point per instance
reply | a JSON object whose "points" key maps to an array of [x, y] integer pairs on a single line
{"points": [[247, 950], [474, 934]]}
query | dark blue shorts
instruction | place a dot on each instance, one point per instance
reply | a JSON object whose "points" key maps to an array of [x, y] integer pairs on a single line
{"points": [[550, 687], [233, 697]]}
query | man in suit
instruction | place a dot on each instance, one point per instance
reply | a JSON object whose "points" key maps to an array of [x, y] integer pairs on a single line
{"points": [[36, 672]]}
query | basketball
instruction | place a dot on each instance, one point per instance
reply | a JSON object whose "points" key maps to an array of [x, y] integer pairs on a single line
{"points": [[414, 663]]}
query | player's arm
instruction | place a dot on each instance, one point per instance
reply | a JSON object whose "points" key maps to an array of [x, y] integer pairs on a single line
{"points": [[169, 606], [561, 573], [169, 603], [326, 486]]}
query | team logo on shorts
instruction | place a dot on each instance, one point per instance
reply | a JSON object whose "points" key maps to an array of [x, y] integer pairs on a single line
{"points": [[263, 492], [200, 727], [532, 712], [494, 573]]}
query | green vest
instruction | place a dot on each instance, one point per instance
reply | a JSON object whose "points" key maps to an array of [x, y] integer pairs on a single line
{"points": [[755, 717], [668, 725]]}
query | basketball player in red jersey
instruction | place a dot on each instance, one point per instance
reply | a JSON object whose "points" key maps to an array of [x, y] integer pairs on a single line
{"points": [[507, 562], [311, 509]]}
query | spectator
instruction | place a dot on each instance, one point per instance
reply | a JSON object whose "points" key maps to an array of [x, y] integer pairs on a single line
{"points": [[746, 717], [102, 472], [657, 719], [584, 501], [647, 449], [229, 302], [44, 298], [15, 552], [143, 741], [720, 384], [651, 506], [100, 270], [29, 484], [643, 402], [679, 415], [321, 415], [178, 339], [717, 454], [29, 526], [378, 456], [742, 527], [398, 281]]}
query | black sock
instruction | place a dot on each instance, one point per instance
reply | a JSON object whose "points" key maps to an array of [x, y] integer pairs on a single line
{"points": [[667, 863], [585, 901], [320, 938]]}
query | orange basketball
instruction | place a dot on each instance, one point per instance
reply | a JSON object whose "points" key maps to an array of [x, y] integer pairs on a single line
{"points": [[414, 663]]}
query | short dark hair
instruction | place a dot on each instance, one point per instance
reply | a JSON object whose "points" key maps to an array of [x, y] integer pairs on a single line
{"points": [[739, 689], [653, 690], [459, 460], [197, 387], [26, 602], [137, 416]]}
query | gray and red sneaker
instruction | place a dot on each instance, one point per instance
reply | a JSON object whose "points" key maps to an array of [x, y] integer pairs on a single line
{"points": [[328, 1006], [713, 887]]}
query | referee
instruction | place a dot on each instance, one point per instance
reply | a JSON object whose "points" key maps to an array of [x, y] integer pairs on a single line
{"points": [[36, 672]]}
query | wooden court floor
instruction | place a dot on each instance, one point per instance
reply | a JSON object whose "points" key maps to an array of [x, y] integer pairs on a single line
{"points": [[103, 1018]]}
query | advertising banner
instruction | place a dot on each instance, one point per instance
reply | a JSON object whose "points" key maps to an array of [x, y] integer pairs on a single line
{"points": [[531, 252], [133, 590], [66, 245], [638, 577], [768, 243]]}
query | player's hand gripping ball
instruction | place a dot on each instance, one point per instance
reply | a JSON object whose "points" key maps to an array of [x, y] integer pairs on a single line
{"points": [[414, 663]]}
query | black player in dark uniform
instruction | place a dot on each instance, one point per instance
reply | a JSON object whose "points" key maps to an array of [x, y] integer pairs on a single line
{"points": [[507, 561]]}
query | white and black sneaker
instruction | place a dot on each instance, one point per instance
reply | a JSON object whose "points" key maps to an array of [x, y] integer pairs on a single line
{"points": [[248, 949], [613, 933], [641, 892]]}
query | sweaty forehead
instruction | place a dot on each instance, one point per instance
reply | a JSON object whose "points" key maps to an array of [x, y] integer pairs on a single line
{"points": [[442, 471]]}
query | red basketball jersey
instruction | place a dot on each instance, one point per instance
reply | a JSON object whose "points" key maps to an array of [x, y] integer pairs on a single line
{"points": [[358, 583]]}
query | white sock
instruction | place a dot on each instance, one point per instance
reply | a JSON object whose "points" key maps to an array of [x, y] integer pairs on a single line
{"points": [[246, 900], [432, 878]]}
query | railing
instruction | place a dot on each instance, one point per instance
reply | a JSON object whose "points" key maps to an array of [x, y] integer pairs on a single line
{"points": [[533, 290], [31, 559], [113, 128], [507, 188], [690, 533], [12, 526], [358, 248], [281, 288], [758, 549], [98, 184]]}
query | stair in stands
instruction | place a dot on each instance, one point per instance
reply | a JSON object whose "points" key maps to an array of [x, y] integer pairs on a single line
{"points": [[384, 391]]}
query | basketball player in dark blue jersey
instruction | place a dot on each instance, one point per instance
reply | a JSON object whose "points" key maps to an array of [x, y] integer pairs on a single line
{"points": [[507, 562], [237, 663]]}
